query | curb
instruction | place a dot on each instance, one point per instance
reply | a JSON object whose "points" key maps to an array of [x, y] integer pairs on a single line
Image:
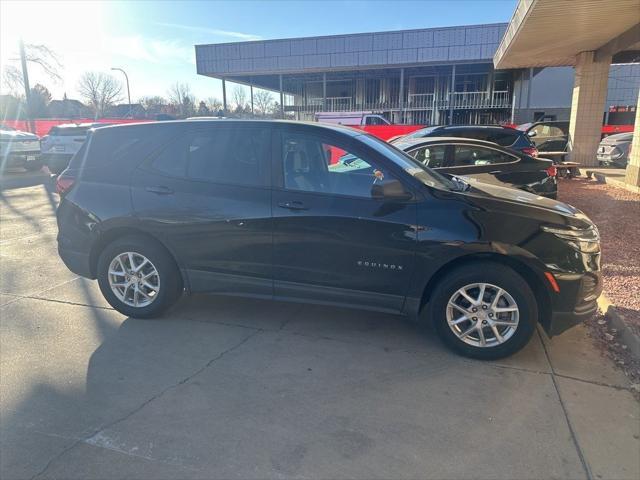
{"points": [[602, 178], [625, 334]]}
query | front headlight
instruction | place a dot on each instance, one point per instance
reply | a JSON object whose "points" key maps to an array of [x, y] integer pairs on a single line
{"points": [[586, 240]]}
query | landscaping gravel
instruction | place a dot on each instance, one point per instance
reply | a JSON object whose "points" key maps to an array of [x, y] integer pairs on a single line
{"points": [[616, 212]]}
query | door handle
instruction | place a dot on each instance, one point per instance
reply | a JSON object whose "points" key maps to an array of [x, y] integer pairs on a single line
{"points": [[293, 205], [160, 190]]}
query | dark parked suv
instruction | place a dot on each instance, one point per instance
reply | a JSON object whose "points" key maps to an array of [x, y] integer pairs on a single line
{"points": [[258, 209], [503, 136]]}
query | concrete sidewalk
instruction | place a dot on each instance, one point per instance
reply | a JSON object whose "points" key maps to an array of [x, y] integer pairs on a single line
{"points": [[233, 388]]}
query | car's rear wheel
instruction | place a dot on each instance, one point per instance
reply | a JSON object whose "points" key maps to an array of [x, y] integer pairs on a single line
{"points": [[484, 310], [138, 277]]}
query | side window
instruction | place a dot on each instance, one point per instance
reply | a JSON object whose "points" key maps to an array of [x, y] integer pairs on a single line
{"points": [[313, 165], [374, 121], [224, 155], [541, 130], [555, 131], [470, 155], [172, 159], [432, 156]]}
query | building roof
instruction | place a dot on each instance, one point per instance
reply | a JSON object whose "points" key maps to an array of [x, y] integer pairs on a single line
{"points": [[546, 33], [350, 52]]}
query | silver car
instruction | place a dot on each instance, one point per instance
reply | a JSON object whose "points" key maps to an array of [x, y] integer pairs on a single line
{"points": [[19, 149], [614, 150]]}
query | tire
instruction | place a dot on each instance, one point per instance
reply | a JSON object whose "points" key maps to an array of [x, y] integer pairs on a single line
{"points": [[167, 278], [494, 276]]}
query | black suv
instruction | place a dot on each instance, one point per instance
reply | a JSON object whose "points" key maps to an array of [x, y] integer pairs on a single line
{"points": [[262, 208], [503, 136]]}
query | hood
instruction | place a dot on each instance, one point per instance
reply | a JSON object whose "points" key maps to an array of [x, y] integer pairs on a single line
{"points": [[617, 138], [17, 135], [521, 197]]}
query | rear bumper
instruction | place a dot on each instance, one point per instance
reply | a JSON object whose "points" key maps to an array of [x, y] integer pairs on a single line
{"points": [[56, 161], [78, 262], [20, 159]]}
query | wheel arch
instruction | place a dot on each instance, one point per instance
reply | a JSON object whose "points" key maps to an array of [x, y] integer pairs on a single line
{"points": [[534, 279], [115, 233]]}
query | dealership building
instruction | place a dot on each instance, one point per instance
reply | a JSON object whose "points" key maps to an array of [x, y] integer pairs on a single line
{"points": [[426, 76]]}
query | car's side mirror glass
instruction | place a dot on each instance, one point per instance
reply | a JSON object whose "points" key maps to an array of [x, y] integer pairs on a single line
{"points": [[390, 190], [532, 133]]}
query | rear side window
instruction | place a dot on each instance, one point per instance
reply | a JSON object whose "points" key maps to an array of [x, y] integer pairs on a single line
{"points": [[471, 155], [432, 155], [76, 161], [238, 156]]}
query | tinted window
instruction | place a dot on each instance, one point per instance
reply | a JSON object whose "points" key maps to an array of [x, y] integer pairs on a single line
{"points": [[431, 155], [545, 130], [374, 121], [225, 155], [471, 155], [120, 144], [312, 165]]}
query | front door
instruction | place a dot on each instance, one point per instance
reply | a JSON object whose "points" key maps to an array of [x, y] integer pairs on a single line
{"points": [[334, 242], [206, 195]]}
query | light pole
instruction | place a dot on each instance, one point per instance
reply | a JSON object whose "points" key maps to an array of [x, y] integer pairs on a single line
{"points": [[128, 91]]}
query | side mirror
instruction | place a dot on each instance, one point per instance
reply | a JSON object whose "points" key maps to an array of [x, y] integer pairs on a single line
{"points": [[390, 190], [532, 133]]}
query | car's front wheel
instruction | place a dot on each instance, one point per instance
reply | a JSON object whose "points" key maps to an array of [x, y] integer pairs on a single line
{"points": [[484, 310], [138, 277]]}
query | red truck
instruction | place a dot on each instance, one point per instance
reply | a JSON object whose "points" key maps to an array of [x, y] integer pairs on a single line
{"points": [[370, 122]]}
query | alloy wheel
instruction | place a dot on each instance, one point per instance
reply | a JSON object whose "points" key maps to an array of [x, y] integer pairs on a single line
{"points": [[482, 315], [134, 279]]}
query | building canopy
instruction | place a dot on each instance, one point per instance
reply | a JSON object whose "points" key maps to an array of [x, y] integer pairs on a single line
{"points": [[547, 33]]}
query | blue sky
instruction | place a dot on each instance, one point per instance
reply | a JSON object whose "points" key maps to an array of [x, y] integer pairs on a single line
{"points": [[153, 40]]}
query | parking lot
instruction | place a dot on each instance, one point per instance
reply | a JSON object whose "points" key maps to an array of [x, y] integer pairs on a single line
{"points": [[224, 387]]}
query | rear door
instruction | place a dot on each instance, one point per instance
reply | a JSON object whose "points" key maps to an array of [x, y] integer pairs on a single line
{"points": [[334, 242], [206, 194]]}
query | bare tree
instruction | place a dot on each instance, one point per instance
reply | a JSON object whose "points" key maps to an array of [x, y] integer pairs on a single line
{"points": [[99, 90], [41, 55], [239, 97], [154, 105], [182, 99], [214, 105], [263, 101]]}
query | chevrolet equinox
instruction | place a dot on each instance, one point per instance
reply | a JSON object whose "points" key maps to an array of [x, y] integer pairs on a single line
{"points": [[266, 209]]}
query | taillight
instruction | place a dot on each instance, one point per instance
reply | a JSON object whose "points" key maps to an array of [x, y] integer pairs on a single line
{"points": [[531, 151], [552, 171], [64, 183]]}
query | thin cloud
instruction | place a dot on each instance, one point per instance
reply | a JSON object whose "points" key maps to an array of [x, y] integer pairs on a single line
{"points": [[212, 31]]}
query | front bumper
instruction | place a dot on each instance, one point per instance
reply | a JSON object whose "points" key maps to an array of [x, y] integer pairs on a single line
{"points": [[579, 295]]}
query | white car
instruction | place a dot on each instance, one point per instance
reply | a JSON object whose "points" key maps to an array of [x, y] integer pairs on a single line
{"points": [[19, 149], [62, 142]]}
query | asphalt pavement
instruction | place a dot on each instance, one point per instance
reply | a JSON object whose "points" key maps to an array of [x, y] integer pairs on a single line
{"points": [[225, 387]]}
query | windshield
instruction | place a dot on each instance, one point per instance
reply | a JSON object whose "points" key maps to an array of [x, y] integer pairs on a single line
{"points": [[414, 168]]}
